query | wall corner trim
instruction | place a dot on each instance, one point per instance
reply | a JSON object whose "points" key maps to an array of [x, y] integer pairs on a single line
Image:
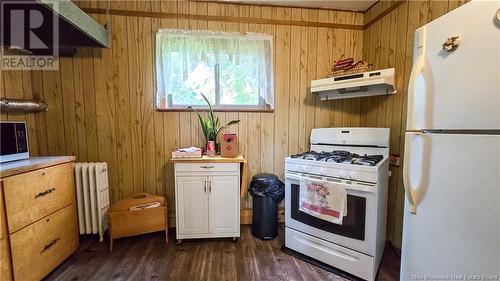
{"points": [[384, 13]]}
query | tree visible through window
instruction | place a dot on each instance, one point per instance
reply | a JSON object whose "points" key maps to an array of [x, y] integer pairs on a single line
{"points": [[234, 71]]}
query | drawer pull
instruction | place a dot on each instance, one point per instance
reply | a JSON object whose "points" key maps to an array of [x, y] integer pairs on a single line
{"points": [[208, 167], [48, 246], [43, 193]]}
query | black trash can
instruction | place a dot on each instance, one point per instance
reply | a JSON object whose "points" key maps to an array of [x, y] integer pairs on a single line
{"points": [[267, 191]]}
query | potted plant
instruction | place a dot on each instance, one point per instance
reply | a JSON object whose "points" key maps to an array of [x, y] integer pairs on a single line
{"points": [[210, 124]]}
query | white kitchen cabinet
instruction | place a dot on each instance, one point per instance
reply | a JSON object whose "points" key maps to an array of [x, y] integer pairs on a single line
{"points": [[192, 209], [223, 214], [207, 199]]}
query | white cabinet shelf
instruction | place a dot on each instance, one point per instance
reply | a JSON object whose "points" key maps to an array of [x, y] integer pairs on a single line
{"points": [[207, 200]]}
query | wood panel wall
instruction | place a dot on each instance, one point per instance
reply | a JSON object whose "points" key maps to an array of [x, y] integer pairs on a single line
{"points": [[101, 101], [389, 43]]}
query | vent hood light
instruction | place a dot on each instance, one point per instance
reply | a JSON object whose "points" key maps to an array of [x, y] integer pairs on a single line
{"points": [[371, 83]]}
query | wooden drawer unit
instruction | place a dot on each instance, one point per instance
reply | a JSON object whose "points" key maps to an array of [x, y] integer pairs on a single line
{"points": [[41, 246], [34, 195], [39, 227]]}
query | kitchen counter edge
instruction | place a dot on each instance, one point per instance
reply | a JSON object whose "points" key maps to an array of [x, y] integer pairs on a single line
{"points": [[13, 168]]}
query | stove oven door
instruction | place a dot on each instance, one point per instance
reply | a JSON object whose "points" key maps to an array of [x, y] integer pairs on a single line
{"points": [[357, 231]]}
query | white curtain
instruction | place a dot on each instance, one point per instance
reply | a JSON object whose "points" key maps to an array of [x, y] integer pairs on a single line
{"points": [[179, 51]]}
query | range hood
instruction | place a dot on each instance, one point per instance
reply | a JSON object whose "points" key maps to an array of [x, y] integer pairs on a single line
{"points": [[75, 27], [371, 83]]}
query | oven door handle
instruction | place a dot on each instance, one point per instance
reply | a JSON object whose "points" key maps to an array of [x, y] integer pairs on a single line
{"points": [[348, 187], [299, 176]]}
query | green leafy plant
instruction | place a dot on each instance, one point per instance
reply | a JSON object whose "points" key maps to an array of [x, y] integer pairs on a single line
{"points": [[210, 124]]}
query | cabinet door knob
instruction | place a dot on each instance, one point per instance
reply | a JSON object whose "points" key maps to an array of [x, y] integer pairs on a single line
{"points": [[210, 186]]}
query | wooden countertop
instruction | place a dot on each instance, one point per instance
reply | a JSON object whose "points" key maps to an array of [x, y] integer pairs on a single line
{"points": [[206, 159], [217, 159], [34, 163]]}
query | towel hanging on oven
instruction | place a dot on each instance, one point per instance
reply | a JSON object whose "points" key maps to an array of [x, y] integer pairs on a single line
{"points": [[323, 199]]}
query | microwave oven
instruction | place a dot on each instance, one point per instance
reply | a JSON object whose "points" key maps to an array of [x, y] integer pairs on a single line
{"points": [[13, 141]]}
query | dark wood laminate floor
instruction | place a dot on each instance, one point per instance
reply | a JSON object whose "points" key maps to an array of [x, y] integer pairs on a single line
{"points": [[146, 257]]}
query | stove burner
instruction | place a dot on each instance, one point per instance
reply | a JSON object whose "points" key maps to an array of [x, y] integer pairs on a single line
{"points": [[340, 156], [368, 160], [308, 155]]}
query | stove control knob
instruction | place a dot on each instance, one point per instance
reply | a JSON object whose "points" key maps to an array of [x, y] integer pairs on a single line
{"points": [[353, 175], [343, 174]]}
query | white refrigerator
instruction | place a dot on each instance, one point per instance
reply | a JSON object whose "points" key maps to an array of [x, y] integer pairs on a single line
{"points": [[451, 168]]}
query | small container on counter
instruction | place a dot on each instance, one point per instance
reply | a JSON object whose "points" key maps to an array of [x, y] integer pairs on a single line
{"points": [[211, 149]]}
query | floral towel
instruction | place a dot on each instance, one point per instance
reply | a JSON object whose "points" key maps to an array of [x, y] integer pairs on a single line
{"points": [[323, 199]]}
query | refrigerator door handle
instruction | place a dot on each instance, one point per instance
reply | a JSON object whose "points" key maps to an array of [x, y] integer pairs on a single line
{"points": [[409, 191], [417, 68]]}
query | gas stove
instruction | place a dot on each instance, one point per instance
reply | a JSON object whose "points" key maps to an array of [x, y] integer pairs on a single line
{"points": [[340, 156], [347, 153], [356, 158]]}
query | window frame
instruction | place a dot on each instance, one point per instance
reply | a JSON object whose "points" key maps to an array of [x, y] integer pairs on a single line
{"points": [[263, 106]]}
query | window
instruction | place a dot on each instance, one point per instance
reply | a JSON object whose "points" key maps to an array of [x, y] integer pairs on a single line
{"points": [[234, 71]]}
